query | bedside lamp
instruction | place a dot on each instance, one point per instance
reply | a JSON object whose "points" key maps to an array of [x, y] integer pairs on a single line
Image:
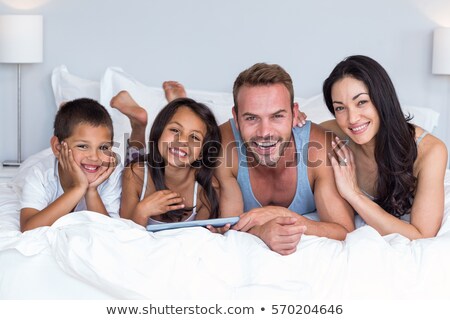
{"points": [[21, 38], [441, 51]]}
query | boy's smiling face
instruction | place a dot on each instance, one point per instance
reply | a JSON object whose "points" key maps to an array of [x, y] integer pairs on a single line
{"points": [[91, 149]]}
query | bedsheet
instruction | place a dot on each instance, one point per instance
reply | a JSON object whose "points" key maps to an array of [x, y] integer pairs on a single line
{"points": [[85, 255]]}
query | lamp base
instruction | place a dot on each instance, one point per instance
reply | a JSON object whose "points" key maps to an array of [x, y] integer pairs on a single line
{"points": [[11, 163]]}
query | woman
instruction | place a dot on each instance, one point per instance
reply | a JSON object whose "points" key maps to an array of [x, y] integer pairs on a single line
{"points": [[390, 171]]}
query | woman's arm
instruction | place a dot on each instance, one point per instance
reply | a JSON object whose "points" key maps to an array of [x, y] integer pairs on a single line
{"points": [[428, 206]]}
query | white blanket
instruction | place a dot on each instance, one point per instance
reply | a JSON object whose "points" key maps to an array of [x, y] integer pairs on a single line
{"points": [[87, 255]]}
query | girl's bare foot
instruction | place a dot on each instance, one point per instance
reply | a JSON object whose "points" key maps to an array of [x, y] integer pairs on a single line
{"points": [[126, 105], [173, 90]]}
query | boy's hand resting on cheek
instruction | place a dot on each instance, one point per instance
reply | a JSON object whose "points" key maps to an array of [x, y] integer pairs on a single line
{"points": [[105, 174], [71, 175]]}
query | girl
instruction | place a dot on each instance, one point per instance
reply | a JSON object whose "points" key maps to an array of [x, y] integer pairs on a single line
{"points": [[391, 171], [174, 181]]}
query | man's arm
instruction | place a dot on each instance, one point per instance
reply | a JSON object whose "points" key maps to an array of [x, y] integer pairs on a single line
{"points": [[231, 202], [335, 214]]}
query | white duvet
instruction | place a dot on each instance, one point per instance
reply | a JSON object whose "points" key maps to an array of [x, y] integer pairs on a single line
{"points": [[86, 255]]}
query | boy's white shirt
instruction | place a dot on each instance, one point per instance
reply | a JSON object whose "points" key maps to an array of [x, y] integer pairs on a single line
{"points": [[42, 186]]}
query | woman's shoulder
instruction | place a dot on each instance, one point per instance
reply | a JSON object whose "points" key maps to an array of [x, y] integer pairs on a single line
{"points": [[430, 149]]}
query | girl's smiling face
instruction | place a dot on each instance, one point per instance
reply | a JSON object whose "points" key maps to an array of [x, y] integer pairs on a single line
{"points": [[181, 141]]}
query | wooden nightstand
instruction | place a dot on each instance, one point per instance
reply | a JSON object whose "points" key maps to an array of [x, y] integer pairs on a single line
{"points": [[7, 173]]}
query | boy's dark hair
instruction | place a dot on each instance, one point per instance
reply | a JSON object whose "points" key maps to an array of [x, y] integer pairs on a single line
{"points": [[80, 111]]}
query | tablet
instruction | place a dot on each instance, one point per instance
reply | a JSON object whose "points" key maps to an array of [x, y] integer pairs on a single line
{"points": [[195, 223]]}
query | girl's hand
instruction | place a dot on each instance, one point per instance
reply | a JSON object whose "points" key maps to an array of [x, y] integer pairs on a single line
{"points": [[71, 175], [344, 169], [159, 202]]}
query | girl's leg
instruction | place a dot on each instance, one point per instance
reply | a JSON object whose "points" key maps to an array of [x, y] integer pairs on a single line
{"points": [[137, 115], [173, 90], [138, 120]]}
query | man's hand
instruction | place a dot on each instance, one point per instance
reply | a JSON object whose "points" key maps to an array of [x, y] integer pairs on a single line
{"points": [[260, 216], [281, 234]]}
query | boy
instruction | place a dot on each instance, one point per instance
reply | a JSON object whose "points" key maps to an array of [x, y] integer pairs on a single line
{"points": [[82, 174]]}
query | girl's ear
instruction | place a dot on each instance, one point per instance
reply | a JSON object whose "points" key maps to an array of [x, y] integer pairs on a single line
{"points": [[55, 145]]}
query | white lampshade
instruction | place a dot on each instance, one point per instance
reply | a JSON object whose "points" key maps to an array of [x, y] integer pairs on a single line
{"points": [[441, 51], [21, 38]]}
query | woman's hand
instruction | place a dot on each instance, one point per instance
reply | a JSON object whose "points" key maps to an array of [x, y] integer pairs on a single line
{"points": [[299, 120], [344, 169]]}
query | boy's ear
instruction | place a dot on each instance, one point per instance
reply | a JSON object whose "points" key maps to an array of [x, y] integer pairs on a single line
{"points": [[55, 145]]}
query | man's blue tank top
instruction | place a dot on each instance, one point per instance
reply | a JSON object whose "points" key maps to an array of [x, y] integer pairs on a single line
{"points": [[303, 202]]}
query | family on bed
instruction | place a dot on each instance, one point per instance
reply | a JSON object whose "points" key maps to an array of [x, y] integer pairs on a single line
{"points": [[268, 164]]}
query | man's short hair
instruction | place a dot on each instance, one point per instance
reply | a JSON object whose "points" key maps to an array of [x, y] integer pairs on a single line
{"points": [[80, 111], [263, 74]]}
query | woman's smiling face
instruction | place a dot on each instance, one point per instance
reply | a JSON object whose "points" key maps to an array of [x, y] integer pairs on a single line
{"points": [[355, 113]]}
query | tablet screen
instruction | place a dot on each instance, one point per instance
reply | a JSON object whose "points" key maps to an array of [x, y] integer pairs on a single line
{"points": [[220, 222]]}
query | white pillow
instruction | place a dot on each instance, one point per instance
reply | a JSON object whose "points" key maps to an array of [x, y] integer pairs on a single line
{"points": [[423, 117], [317, 111], [153, 100], [67, 86], [18, 180]]}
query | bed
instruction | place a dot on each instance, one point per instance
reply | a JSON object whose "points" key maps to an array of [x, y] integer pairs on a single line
{"points": [[85, 255]]}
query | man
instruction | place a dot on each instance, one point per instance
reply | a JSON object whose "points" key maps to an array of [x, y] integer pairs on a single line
{"points": [[276, 173]]}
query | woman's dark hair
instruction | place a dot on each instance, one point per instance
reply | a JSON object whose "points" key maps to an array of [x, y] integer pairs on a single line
{"points": [[395, 146], [209, 154]]}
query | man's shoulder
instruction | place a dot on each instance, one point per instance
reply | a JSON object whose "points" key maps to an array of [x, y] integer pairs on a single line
{"points": [[226, 131], [319, 145], [229, 156], [228, 139], [316, 132]]}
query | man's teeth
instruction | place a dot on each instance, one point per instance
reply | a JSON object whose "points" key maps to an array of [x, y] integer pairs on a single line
{"points": [[360, 127], [265, 144], [179, 152]]}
